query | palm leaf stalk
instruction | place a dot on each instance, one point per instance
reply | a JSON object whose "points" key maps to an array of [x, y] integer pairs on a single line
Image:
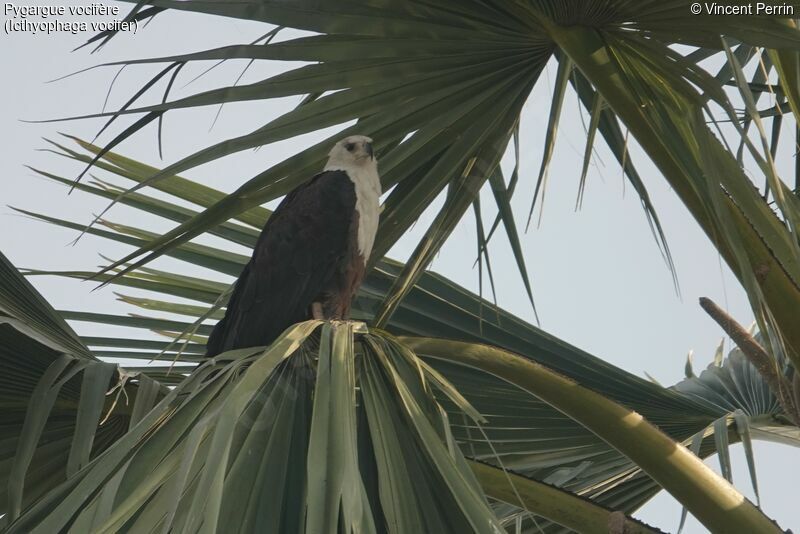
{"points": [[757, 356], [677, 470]]}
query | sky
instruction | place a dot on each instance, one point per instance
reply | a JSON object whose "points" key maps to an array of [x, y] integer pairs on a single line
{"points": [[598, 278]]}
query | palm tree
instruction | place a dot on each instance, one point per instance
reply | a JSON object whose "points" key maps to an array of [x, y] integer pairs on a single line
{"points": [[447, 413]]}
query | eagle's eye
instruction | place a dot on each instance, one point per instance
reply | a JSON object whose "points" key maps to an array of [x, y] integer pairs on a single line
{"points": [[350, 146]]}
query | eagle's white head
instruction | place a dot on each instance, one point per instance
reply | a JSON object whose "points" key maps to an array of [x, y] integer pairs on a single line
{"points": [[353, 152]]}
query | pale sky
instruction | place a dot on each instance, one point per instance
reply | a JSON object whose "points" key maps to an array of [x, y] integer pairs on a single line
{"points": [[598, 278]]}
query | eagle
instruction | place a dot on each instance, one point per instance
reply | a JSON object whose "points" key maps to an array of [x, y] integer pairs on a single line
{"points": [[310, 258]]}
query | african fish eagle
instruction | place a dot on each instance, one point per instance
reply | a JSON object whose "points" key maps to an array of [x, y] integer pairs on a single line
{"points": [[311, 255]]}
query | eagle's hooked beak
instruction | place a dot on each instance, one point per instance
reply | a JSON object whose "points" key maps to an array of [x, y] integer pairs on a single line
{"points": [[368, 149]]}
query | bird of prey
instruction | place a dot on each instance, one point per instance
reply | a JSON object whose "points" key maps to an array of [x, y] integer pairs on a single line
{"points": [[311, 255]]}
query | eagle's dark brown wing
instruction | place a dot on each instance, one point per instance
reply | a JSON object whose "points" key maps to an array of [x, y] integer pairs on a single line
{"points": [[303, 247]]}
